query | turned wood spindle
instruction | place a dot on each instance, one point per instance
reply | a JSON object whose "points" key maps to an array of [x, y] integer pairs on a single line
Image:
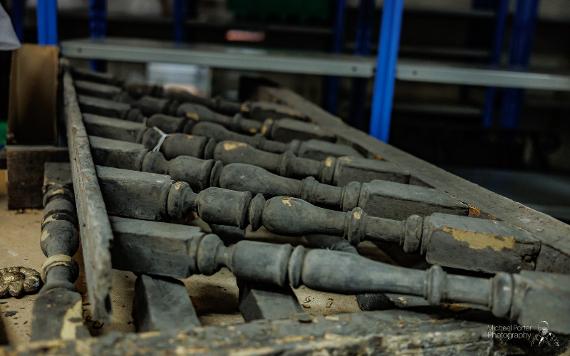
{"points": [[514, 296], [450, 240], [284, 130], [103, 107], [57, 311], [258, 110], [312, 148], [336, 171], [377, 198]]}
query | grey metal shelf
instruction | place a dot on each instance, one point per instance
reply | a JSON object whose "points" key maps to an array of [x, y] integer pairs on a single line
{"points": [[455, 74], [219, 57], [315, 63]]}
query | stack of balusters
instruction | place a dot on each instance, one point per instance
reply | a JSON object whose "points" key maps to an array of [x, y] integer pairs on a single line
{"points": [[187, 180]]}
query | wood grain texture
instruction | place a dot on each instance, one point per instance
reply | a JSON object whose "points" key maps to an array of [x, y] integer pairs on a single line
{"points": [[366, 333]]}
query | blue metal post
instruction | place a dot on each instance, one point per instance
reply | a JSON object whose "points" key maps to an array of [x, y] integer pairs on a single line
{"points": [[501, 12], [179, 14], [363, 29], [98, 27], [388, 45], [362, 48], [18, 12], [521, 44], [332, 83], [46, 13]]}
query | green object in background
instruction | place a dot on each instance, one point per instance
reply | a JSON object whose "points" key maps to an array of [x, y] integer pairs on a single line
{"points": [[302, 10], [3, 130]]}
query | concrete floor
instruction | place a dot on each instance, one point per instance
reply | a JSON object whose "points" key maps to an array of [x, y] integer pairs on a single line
{"points": [[215, 298], [19, 246]]}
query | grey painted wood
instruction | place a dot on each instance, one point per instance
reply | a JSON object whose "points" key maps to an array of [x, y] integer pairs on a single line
{"points": [[259, 301], [450, 240], [162, 303], [153, 247], [366, 301], [96, 234], [554, 255], [104, 107], [337, 171], [506, 295], [57, 311], [119, 154], [100, 90], [313, 149], [286, 130], [398, 201], [377, 198], [115, 129]]}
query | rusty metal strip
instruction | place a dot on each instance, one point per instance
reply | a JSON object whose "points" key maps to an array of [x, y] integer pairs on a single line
{"points": [[95, 228]]}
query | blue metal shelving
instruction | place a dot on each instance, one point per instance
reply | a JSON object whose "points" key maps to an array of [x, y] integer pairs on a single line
{"points": [[520, 49], [98, 27], [501, 13], [332, 83], [180, 7], [386, 70], [362, 48], [385, 77]]}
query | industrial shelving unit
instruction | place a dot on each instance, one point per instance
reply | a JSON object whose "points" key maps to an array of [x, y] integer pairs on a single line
{"points": [[385, 68]]}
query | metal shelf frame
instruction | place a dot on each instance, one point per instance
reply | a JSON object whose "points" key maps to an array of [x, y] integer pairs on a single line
{"points": [[385, 68], [312, 63]]}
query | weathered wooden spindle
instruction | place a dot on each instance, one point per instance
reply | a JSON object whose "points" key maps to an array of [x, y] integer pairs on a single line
{"points": [[449, 240], [195, 113], [527, 297], [124, 130], [198, 173], [103, 91], [377, 198], [366, 301], [174, 145], [96, 77], [312, 148], [336, 171], [258, 110], [57, 311], [177, 97], [161, 303], [103, 107], [262, 110], [115, 129], [286, 130]]}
